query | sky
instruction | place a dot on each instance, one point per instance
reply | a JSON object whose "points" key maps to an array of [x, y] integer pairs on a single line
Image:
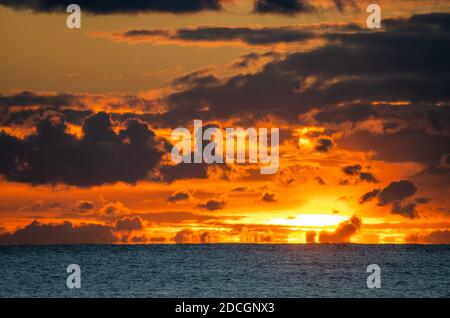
{"points": [[86, 117]]}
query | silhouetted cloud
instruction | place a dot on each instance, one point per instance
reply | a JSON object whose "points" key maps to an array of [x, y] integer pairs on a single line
{"points": [[422, 200], [212, 205], [288, 7], [396, 191], [438, 237], [405, 209], [368, 177], [64, 233], [268, 197], [369, 196], [188, 236], [180, 195], [181, 171], [129, 224], [53, 155], [434, 237], [343, 233], [345, 69], [342, 5], [352, 170], [324, 144], [116, 7], [26, 98], [401, 146], [216, 35]]}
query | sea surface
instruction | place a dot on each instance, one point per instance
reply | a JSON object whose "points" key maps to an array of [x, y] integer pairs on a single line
{"points": [[225, 270]]}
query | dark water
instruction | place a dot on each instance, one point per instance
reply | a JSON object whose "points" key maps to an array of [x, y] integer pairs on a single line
{"points": [[225, 270]]}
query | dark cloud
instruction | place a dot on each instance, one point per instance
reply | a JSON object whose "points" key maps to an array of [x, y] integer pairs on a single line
{"points": [[351, 113], [401, 146], [394, 194], [352, 170], [184, 236], [346, 69], [324, 144], [188, 236], [84, 206], [101, 156], [212, 205], [287, 7], [423, 115], [129, 224], [405, 209], [343, 233], [250, 58], [422, 200], [64, 233], [396, 191], [369, 196], [250, 36], [356, 171], [434, 237], [116, 6], [268, 197], [26, 98], [112, 209], [41, 206], [368, 177], [438, 237], [193, 79], [180, 195], [182, 171]]}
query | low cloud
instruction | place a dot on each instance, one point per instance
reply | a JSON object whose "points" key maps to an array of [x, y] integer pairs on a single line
{"points": [[268, 197], [343, 233], [434, 237], [188, 236], [368, 177], [212, 205], [356, 171], [405, 209], [129, 224], [352, 170], [181, 195], [64, 233], [369, 196], [324, 144], [84, 206], [116, 7]]}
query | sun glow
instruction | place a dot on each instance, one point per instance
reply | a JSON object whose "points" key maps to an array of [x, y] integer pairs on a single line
{"points": [[310, 220]]}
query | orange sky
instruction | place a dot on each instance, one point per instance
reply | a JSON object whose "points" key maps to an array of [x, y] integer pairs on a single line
{"points": [[316, 193]]}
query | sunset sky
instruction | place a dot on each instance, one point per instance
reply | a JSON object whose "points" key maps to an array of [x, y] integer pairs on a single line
{"points": [[86, 117]]}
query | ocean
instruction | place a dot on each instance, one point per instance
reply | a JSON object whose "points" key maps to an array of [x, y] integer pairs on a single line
{"points": [[225, 270]]}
